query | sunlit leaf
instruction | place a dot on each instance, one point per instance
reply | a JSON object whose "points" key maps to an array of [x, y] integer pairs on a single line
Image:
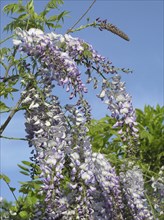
{"points": [[3, 107], [5, 178], [23, 214], [24, 173], [27, 163], [53, 18], [30, 6], [11, 8], [23, 168]]}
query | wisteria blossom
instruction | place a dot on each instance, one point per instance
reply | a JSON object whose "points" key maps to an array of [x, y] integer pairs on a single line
{"points": [[158, 191]]}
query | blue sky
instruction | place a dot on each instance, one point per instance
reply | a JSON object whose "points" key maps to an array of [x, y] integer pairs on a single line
{"points": [[142, 21]]}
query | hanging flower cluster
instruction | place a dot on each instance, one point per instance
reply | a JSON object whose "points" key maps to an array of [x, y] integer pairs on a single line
{"points": [[77, 183], [158, 192], [119, 103]]}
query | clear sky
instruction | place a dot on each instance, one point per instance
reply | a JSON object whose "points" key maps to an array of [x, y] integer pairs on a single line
{"points": [[142, 21]]}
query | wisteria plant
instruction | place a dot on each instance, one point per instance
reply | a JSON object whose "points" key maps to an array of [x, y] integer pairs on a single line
{"points": [[69, 180]]}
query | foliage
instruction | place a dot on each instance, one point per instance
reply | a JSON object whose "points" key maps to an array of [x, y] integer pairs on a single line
{"points": [[150, 121], [24, 205], [105, 139], [28, 18], [151, 129]]}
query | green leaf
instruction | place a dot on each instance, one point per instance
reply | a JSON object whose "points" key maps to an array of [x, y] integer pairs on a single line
{"points": [[51, 5], [24, 173], [30, 185], [23, 168], [27, 163], [87, 54], [3, 52], [53, 18], [23, 189], [3, 107], [22, 16], [11, 8], [21, 9], [31, 200], [30, 6], [37, 184], [11, 26], [145, 134], [12, 189], [6, 91], [23, 214], [151, 124], [5, 178], [51, 25], [54, 3], [62, 15]]}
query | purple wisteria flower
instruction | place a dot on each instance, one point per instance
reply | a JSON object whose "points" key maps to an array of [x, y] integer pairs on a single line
{"points": [[119, 102], [158, 192], [108, 184], [133, 189], [120, 105]]}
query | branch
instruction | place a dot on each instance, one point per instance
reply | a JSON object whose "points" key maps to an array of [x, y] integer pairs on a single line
{"points": [[11, 63], [14, 110], [2, 128], [69, 30], [12, 193]]}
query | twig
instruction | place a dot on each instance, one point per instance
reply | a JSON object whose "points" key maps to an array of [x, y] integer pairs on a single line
{"points": [[2, 41], [151, 206], [69, 30], [13, 193], [11, 63], [13, 138], [82, 27]]}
